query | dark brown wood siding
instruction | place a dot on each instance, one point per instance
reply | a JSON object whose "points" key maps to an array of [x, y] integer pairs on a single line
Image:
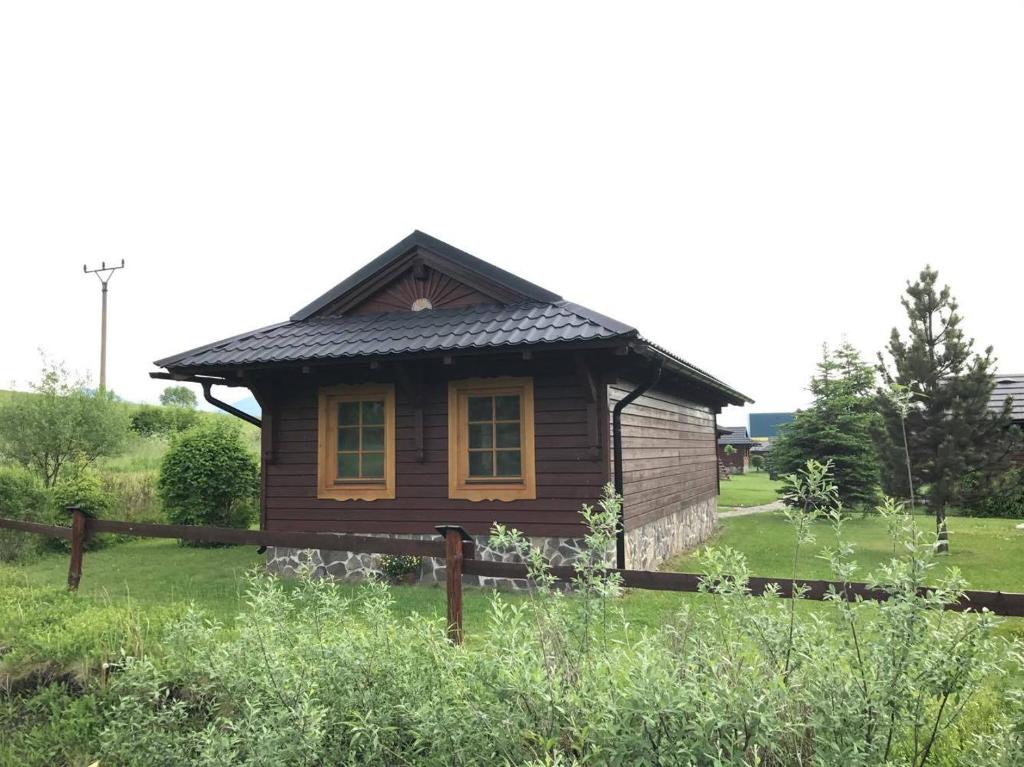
{"points": [[669, 459], [568, 474]]}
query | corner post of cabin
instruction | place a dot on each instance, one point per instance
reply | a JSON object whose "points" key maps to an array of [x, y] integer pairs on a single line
{"points": [[79, 531], [454, 537]]}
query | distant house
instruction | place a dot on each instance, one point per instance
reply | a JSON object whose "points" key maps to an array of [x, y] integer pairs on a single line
{"points": [[1010, 386], [736, 460], [766, 425], [432, 388]]}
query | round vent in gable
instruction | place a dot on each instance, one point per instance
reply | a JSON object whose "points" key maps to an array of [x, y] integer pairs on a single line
{"points": [[420, 304]]}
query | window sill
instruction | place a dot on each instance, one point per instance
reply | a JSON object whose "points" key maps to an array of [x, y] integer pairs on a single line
{"points": [[356, 492], [492, 491]]}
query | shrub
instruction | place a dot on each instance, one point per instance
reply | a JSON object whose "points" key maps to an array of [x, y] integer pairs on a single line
{"points": [[312, 676], [82, 487], [22, 496], [60, 424], [398, 566], [209, 477], [151, 420], [757, 462], [1005, 498]]}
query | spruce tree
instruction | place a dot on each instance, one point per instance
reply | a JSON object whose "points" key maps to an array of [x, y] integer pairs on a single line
{"points": [[840, 426], [956, 445]]}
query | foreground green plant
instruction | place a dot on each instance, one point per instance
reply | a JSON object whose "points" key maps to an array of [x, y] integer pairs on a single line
{"points": [[310, 675]]}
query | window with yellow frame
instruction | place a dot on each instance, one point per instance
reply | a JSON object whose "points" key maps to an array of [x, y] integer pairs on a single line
{"points": [[356, 447], [491, 439]]}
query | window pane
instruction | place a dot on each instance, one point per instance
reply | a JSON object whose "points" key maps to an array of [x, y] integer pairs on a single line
{"points": [[373, 438], [373, 465], [509, 463], [348, 438], [506, 407], [348, 465], [348, 413], [506, 435], [480, 435], [480, 463], [373, 412], [480, 408]]}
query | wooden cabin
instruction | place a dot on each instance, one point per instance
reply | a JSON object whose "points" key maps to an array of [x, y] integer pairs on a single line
{"points": [[432, 388], [736, 460]]}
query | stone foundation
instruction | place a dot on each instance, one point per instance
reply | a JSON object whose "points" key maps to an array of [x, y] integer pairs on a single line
{"points": [[646, 548], [347, 565], [650, 545]]}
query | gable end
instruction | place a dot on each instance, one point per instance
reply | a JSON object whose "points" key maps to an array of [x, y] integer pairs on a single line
{"points": [[414, 253]]}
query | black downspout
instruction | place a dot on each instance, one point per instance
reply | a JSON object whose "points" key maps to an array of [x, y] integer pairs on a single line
{"points": [[620, 535], [226, 407]]}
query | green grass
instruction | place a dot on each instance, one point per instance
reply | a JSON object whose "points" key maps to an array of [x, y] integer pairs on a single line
{"points": [[989, 552], [152, 581], [751, 489]]}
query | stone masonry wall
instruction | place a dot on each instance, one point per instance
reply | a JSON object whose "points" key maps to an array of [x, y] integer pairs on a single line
{"points": [[347, 565], [646, 548], [650, 545]]}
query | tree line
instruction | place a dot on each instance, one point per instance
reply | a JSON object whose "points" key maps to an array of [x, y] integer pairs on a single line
{"points": [[917, 423]]}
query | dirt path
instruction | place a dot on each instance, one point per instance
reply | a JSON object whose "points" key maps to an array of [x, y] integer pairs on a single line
{"points": [[738, 511]]}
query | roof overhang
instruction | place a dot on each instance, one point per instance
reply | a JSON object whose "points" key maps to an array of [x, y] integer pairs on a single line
{"points": [[730, 396]]}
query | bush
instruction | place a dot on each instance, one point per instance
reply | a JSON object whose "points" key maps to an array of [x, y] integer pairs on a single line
{"points": [[22, 496], [1005, 498], [81, 487], [397, 566], [757, 462], [312, 676], [60, 424], [209, 477], [151, 420]]}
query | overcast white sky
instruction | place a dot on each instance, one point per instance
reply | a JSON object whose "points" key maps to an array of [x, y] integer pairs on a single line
{"points": [[741, 181]]}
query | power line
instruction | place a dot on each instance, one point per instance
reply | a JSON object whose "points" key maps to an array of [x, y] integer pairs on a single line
{"points": [[103, 273]]}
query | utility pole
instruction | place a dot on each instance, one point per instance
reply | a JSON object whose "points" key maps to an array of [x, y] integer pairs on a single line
{"points": [[103, 273]]}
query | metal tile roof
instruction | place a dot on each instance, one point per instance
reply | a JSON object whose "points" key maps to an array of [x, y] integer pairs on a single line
{"points": [[1009, 386], [367, 335]]}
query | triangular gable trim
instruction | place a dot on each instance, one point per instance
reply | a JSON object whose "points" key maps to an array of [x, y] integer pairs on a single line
{"points": [[476, 273]]}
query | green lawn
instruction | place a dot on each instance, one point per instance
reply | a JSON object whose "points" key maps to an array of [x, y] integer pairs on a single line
{"points": [[989, 552], [151, 581], [751, 489]]}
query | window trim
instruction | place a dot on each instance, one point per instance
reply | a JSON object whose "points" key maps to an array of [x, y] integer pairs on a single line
{"points": [[459, 484], [328, 486]]}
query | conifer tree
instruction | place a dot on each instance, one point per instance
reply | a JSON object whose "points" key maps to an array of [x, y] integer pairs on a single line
{"points": [[841, 427], [956, 445]]}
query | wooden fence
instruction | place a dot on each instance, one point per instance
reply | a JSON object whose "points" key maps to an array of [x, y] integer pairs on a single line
{"points": [[458, 551]]}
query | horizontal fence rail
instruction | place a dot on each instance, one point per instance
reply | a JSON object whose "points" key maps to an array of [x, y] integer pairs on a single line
{"points": [[458, 551], [50, 531], [999, 602], [363, 544]]}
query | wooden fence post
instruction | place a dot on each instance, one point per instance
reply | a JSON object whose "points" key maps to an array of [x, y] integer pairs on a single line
{"points": [[454, 536], [79, 521]]}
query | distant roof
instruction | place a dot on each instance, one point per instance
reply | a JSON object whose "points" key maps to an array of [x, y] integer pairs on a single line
{"points": [[734, 435], [766, 425], [522, 314], [1009, 386]]}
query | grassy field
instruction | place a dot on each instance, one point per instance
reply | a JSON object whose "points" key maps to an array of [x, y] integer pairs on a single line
{"points": [[989, 552], [153, 580], [751, 489]]}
